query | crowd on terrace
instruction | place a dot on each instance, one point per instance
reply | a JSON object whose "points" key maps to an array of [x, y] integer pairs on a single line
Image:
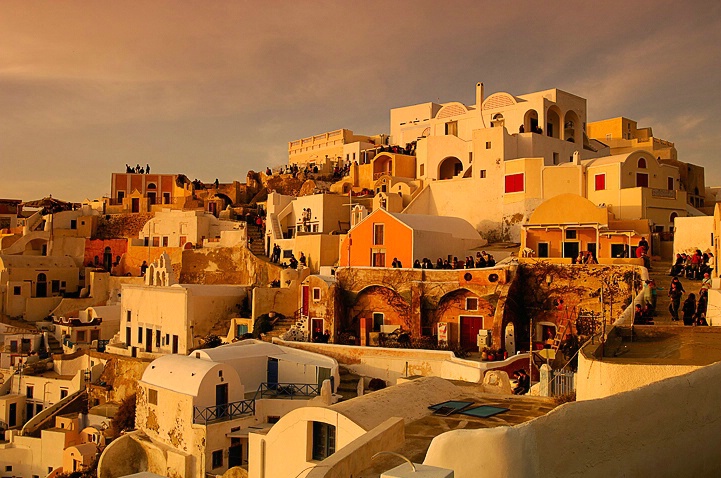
{"points": [[483, 259]]}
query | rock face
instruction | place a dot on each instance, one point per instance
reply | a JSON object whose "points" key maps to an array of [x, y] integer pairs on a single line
{"points": [[121, 225], [236, 265]]}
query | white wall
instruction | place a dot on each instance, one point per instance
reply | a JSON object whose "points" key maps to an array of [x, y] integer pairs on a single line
{"points": [[693, 233]]}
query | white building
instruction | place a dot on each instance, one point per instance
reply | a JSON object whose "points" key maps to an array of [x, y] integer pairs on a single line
{"points": [[175, 228]]}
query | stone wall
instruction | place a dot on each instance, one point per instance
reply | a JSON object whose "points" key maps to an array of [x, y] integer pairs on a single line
{"points": [[236, 265], [121, 225]]}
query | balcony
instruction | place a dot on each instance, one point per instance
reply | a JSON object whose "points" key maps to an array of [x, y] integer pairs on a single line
{"points": [[218, 413], [287, 390]]}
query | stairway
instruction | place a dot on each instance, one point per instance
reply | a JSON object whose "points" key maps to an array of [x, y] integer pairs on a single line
{"points": [[280, 327], [348, 387], [53, 344], [256, 247]]}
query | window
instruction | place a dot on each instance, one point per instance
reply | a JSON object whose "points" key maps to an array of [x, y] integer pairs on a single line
{"points": [[94, 335], [157, 339], [316, 293], [555, 158], [600, 182], [423, 170], [29, 391], [140, 335], [471, 303], [641, 180], [183, 240], [13, 346], [323, 440], [128, 314], [514, 183], [152, 396], [17, 290], [8, 468], [121, 196], [571, 234], [73, 224], [452, 128], [642, 163], [488, 145], [542, 249], [377, 321], [165, 241], [670, 183], [378, 258], [217, 460], [81, 336], [156, 241], [63, 393], [483, 173], [378, 232]]}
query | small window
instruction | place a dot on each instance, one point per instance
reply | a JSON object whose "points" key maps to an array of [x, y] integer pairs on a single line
{"points": [[140, 335], [378, 233], [600, 182], [571, 234], [166, 240], [73, 224], [29, 391], [17, 290], [423, 170], [642, 163], [8, 468], [81, 336], [556, 158], [63, 393], [217, 460], [323, 440], [452, 128], [471, 303], [483, 173], [128, 314], [273, 418], [670, 183], [641, 180], [157, 339], [488, 145], [316, 293], [152, 396], [156, 241], [514, 183]]}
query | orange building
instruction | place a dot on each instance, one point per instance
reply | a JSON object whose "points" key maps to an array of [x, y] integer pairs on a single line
{"points": [[383, 236], [568, 224], [135, 192]]}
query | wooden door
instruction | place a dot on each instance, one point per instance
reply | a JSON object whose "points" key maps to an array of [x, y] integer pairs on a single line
{"points": [[470, 326]]}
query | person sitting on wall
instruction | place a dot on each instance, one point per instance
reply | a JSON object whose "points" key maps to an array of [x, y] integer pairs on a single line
{"points": [[417, 264], [293, 262], [523, 382], [302, 259]]}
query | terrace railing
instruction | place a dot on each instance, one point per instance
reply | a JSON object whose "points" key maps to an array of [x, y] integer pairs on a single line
{"points": [[228, 411], [287, 390]]}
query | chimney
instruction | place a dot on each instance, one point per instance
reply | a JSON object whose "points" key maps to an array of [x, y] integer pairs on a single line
{"points": [[479, 95]]}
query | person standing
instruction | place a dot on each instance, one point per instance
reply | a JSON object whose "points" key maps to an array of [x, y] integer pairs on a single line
{"points": [[689, 309], [675, 293]]}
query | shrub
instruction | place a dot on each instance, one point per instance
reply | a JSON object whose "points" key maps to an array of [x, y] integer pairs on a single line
{"points": [[124, 419]]}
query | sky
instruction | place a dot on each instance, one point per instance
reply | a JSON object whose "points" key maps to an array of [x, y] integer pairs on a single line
{"points": [[213, 89]]}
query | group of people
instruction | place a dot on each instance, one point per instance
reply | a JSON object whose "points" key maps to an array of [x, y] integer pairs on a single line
{"points": [[482, 259], [693, 266], [305, 217], [693, 310], [275, 254], [585, 258], [294, 263], [138, 169], [642, 252]]}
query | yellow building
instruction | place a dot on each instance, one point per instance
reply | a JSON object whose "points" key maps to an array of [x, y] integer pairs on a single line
{"points": [[623, 135], [331, 149]]}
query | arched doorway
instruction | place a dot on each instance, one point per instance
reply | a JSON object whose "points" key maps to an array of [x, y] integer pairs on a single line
{"points": [[553, 122], [449, 168], [151, 192], [510, 339], [530, 122], [41, 287], [571, 127]]}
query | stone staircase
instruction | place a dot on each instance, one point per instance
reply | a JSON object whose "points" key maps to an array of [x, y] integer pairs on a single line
{"points": [[256, 246], [348, 387], [280, 327], [53, 344]]}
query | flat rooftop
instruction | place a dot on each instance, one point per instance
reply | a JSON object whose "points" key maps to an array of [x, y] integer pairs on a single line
{"points": [[665, 345], [420, 432]]}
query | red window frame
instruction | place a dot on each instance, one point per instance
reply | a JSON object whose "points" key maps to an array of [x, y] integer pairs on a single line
{"points": [[600, 182], [515, 183]]}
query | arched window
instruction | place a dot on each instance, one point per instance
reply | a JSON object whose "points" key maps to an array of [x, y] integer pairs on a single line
{"points": [[642, 163], [151, 186]]}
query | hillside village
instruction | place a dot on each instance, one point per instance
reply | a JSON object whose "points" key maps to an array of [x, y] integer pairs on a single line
{"points": [[477, 277]]}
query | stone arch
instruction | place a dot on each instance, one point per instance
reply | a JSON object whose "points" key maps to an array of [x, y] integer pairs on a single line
{"points": [[572, 130], [449, 168], [226, 200], [530, 121], [553, 122], [380, 299], [453, 303], [382, 165]]}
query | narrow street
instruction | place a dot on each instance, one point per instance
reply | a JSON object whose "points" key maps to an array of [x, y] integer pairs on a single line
{"points": [[659, 273]]}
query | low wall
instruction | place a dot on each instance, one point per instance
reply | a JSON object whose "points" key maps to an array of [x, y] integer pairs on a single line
{"points": [[391, 364], [667, 429], [356, 456]]}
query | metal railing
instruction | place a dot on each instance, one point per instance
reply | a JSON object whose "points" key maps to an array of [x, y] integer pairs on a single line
{"points": [[223, 412], [290, 390], [562, 383]]}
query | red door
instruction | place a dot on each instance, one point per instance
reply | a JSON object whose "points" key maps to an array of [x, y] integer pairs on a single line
{"points": [[469, 331], [306, 300]]}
